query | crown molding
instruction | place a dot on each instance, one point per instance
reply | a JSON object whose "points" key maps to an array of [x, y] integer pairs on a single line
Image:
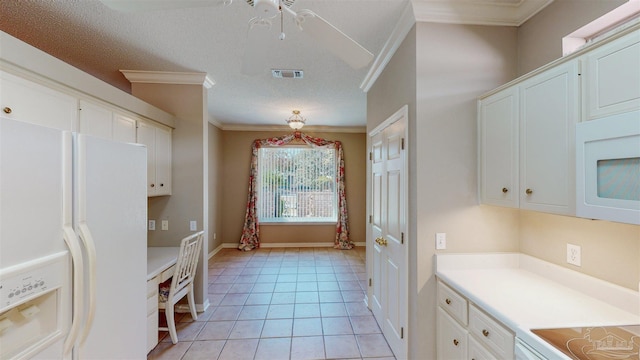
{"points": [[404, 25], [168, 77], [478, 12]]}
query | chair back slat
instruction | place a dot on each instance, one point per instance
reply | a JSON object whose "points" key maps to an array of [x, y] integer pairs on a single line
{"points": [[187, 262]]}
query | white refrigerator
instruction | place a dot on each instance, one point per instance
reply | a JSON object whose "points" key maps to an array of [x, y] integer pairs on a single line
{"points": [[73, 214]]}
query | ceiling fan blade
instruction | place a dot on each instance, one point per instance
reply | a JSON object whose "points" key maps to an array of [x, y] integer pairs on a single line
{"points": [[258, 36], [150, 5], [333, 39]]}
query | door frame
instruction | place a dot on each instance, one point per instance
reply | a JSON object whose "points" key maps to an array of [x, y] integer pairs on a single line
{"points": [[401, 114]]}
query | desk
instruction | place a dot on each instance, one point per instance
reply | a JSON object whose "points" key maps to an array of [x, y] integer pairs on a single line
{"points": [[160, 265], [160, 259]]}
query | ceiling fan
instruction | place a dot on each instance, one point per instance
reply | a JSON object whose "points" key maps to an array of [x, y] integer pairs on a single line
{"points": [[327, 35]]}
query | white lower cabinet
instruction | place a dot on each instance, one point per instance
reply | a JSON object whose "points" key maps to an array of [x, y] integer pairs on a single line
{"points": [[152, 313], [466, 332], [451, 338]]}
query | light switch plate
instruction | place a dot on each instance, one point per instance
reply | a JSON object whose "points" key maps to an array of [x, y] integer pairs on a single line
{"points": [[152, 224], [441, 241], [165, 224], [193, 225]]}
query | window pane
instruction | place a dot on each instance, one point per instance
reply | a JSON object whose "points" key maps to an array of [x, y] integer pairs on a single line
{"points": [[297, 184]]}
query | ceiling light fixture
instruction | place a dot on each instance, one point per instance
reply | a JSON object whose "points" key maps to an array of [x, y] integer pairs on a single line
{"points": [[296, 121]]}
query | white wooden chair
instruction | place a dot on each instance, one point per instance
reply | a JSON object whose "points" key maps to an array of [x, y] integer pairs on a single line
{"points": [[182, 281]]}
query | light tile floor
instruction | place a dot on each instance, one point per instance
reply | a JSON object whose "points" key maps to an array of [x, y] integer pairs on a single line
{"points": [[284, 303]]}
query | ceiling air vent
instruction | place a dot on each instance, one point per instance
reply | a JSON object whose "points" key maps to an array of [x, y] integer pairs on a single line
{"points": [[287, 74]]}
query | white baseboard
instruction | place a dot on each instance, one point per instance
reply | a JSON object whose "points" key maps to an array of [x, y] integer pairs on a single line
{"points": [[278, 245], [216, 250], [184, 308]]}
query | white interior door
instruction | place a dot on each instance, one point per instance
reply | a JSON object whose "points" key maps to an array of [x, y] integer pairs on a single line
{"points": [[388, 231]]}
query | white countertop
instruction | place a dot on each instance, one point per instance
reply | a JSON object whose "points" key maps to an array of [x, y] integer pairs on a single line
{"points": [[526, 293], [160, 259]]}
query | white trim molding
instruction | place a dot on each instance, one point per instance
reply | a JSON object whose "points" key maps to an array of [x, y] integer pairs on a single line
{"points": [[282, 245], [478, 12], [285, 128], [405, 23], [168, 77]]}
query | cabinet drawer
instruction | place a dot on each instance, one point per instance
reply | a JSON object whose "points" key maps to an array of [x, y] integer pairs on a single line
{"points": [[451, 338], [479, 352], [152, 287], [452, 302], [152, 306], [152, 331], [490, 333]]}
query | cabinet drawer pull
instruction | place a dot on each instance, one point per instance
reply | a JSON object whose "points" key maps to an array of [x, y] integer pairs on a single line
{"points": [[485, 332], [528, 191], [161, 185], [153, 185], [7, 110], [456, 342], [505, 190], [448, 301]]}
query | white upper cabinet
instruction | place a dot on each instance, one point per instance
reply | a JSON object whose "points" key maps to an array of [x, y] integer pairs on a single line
{"points": [[101, 121], [548, 114], [95, 120], [612, 78], [498, 138], [124, 128], [24, 100], [158, 142]]}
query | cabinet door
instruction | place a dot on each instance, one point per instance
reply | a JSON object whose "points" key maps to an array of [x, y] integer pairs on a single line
{"points": [[498, 148], [548, 114], [147, 136], [124, 128], [24, 100], [612, 78], [478, 352], [95, 120], [163, 161], [451, 338]]}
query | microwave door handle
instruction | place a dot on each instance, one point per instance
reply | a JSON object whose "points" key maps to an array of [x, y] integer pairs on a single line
{"points": [[71, 239], [87, 239]]}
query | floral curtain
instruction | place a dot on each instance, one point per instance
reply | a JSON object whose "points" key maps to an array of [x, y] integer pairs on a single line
{"points": [[251, 231]]}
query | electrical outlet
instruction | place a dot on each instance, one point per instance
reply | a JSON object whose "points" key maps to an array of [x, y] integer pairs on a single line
{"points": [[441, 241], [573, 255], [193, 225], [214, 236], [165, 224], [152, 224]]}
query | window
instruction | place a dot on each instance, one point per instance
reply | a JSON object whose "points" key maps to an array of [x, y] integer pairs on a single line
{"points": [[297, 184]]}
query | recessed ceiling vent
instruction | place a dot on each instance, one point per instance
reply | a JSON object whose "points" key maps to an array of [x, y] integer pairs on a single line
{"points": [[287, 74]]}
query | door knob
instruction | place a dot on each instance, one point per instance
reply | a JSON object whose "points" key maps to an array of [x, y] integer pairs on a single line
{"points": [[7, 110], [505, 190], [528, 191]]}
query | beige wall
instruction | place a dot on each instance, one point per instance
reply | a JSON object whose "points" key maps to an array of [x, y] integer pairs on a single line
{"points": [[215, 187], [540, 38], [439, 71], [235, 181], [189, 169], [610, 251]]}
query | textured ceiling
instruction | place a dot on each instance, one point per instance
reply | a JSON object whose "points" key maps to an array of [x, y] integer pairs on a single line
{"points": [[211, 39]]}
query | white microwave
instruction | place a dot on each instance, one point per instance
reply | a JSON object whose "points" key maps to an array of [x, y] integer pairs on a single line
{"points": [[608, 168]]}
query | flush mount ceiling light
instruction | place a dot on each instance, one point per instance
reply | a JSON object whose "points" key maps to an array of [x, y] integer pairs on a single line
{"points": [[296, 121]]}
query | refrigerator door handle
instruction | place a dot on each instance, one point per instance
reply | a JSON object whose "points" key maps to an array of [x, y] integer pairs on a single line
{"points": [[87, 240], [73, 243]]}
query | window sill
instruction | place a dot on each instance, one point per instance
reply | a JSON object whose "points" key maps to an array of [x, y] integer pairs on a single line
{"points": [[289, 223]]}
